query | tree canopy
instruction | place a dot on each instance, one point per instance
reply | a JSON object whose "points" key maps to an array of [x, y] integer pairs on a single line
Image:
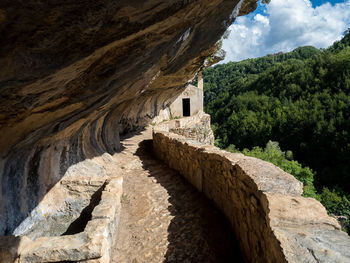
{"points": [[300, 99]]}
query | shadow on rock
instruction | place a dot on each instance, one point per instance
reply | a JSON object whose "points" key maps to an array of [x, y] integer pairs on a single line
{"points": [[198, 232]]}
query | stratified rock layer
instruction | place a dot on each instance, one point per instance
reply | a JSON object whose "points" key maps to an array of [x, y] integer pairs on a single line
{"points": [[74, 74]]}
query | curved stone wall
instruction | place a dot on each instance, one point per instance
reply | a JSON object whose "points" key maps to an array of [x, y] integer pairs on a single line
{"points": [[271, 219]]}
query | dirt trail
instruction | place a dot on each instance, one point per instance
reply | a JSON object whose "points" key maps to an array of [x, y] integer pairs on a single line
{"points": [[164, 218]]}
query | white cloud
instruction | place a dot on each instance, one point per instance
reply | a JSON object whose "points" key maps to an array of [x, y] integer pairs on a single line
{"points": [[286, 25]]}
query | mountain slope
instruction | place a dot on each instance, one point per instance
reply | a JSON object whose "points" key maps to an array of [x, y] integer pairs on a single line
{"points": [[302, 102]]}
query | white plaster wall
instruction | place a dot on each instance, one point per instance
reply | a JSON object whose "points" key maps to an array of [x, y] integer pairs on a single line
{"points": [[196, 101]]}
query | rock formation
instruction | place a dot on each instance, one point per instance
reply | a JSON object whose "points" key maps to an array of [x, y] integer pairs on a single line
{"points": [[76, 74]]}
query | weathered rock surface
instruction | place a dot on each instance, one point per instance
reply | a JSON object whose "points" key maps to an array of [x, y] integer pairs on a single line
{"points": [[91, 244], [196, 128], [10, 246], [272, 222], [74, 74]]}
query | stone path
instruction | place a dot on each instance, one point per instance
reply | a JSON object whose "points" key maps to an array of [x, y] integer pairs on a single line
{"points": [[163, 218]]}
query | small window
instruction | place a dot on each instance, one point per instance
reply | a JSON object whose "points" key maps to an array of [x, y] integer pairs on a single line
{"points": [[186, 107]]}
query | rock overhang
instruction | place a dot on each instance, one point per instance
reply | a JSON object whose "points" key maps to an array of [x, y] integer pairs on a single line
{"points": [[82, 72], [74, 75]]}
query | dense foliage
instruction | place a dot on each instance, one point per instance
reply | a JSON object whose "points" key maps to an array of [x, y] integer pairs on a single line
{"points": [[300, 99], [219, 78], [335, 201], [273, 153]]}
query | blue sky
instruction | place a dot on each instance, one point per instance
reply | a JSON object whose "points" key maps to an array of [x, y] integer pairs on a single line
{"points": [[321, 2], [284, 25]]}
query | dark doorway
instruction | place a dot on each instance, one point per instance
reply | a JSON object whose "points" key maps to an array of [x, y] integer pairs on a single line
{"points": [[186, 108]]}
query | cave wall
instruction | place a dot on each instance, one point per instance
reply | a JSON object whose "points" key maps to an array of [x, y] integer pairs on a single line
{"points": [[75, 74]]}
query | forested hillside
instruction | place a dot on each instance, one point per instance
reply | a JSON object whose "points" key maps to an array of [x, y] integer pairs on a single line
{"points": [[300, 99], [222, 78]]}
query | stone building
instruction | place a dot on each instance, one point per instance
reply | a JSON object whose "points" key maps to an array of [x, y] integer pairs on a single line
{"points": [[190, 101]]}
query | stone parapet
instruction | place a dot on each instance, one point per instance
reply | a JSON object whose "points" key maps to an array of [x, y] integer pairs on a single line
{"points": [[92, 245], [272, 221], [196, 127]]}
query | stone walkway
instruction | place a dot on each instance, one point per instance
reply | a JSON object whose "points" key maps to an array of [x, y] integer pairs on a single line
{"points": [[163, 218]]}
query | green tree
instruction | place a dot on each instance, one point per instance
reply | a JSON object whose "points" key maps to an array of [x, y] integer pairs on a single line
{"points": [[300, 99]]}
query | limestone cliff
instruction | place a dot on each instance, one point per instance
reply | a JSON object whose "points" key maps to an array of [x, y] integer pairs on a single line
{"points": [[75, 74]]}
